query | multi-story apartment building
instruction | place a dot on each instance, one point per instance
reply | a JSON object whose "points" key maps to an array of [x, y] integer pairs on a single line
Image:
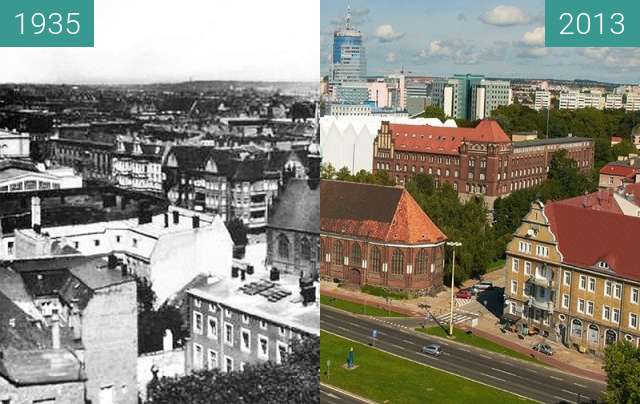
{"points": [[138, 166], [571, 277], [613, 101], [248, 319], [376, 235], [542, 100], [578, 100], [470, 96], [222, 182], [480, 160], [488, 95], [632, 102]]}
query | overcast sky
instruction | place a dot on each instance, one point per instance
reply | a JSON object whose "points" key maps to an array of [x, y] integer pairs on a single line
{"points": [[143, 41], [495, 38]]}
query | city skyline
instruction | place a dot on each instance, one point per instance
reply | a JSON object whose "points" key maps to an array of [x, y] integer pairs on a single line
{"points": [[442, 40], [201, 42]]}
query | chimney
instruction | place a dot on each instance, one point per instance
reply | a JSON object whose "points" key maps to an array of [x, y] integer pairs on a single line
{"points": [[274, 275], [124, 270], [242, 274], [166, 220], [195, 221], [176, 217], [35, 211], [167, 340], [112, 261], [55, 331], [234, 272]]}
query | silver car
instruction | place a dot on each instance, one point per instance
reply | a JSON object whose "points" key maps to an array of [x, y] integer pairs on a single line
{"points": [[433, 349]]}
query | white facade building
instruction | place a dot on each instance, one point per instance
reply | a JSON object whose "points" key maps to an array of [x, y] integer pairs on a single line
{"points": [[577, 100], [542, 100], [613, 101], [14, 144]]}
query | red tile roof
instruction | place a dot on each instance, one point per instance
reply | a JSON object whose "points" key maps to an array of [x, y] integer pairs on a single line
{"points": [[586, 237], [634, 190], [600, 200], [445, 140], [619, 170], [388, 214]]}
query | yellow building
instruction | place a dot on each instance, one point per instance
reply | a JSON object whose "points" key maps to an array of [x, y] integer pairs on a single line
{"points": [[572, 275]]}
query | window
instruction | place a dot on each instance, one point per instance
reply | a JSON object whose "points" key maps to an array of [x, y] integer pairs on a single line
{"points": [[212, 307], [245, 318], [603, 265], [263, 347], [527, 268], [283, 246], [616, 316], [263, 324], [592, 284], [590, 308], [197, 322], [305, 249], [197, 356], [356, 254], [514, 287], [580, 306], [282, 331], [212, 327], [376, 260], [633, 320], [606, 313], [634, 295], [617, 291], [583, 282], [117, 239], [134, 242], [542, 251], [565, 301], [245, 340], [567, 278], [227, 313], [397, 263], [525, 247], [421, 262], [515, 264], [228, 334], [96, 243], [228, 367], [212, 359], [607, 288], [281, 352], [338, 255]]}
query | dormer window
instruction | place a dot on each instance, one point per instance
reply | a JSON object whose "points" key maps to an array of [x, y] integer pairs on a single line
{"points": [[603, 265]]}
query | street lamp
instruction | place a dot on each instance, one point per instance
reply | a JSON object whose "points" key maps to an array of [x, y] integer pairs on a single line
{"points": [[453, 244]]}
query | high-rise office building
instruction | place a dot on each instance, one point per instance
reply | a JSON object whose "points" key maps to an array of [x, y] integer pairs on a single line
{"points": [[470, 96], [348, 57], [488, 95]]}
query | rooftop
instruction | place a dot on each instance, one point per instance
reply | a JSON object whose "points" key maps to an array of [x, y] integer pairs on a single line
{"points": [[550, 141], [298, 208], [287, 310]]}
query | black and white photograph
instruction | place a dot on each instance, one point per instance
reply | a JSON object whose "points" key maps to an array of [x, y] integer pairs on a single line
{"points": [[160, 208]]}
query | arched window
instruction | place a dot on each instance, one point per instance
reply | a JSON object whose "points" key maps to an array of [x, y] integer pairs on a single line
{"points": [[338, 256], [305, 249], [421, 262], [283, 246], [397, 263], [356, 254], [610, 337], [376, 260], [576, 328]]}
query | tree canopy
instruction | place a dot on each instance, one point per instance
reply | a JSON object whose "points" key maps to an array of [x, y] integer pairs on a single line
{"points": [[622, 365], [296, 380]]}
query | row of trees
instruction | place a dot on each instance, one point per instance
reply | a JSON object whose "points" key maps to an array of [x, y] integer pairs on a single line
{"points": [[296, 380], [484, 241]]}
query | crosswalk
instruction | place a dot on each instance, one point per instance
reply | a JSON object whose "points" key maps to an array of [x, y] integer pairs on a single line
{"points": [[462, 302], [458, 317]]}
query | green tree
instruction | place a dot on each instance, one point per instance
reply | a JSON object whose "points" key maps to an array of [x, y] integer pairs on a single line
{"points": [[327, 171], [434, 111], [622, 365], [296, 380], [343, 174]]}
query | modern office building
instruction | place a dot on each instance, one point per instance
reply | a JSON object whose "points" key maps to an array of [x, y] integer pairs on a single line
{"points": [[348, 63], [470, 96], [488, 95], [542, 100]]}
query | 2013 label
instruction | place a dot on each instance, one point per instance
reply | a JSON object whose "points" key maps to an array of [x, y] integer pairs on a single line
{"points": [[582, 24]]}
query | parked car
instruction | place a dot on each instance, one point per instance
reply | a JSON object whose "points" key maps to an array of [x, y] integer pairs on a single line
{"points": [[483, 285], [433, 349], [464, 294], [543, 348]]}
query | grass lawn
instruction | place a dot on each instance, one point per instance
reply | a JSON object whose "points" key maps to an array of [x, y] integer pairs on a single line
{"points": [[470, 339], [383, 377], [358, 308], [382, 292], [495, 265]]}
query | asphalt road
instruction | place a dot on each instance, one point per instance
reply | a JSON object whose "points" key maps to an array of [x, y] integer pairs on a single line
{"points": [[330, 395], [539, 383]]}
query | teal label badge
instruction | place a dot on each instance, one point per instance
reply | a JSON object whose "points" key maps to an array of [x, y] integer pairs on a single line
{"points": [[592, 23], [46, 23]]}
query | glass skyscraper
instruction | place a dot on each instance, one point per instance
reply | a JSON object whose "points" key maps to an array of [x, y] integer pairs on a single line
{"points": [[348, 57]]}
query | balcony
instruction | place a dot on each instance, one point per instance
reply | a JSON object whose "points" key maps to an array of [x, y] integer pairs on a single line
{"points": [[545, 305], [540, 281]]}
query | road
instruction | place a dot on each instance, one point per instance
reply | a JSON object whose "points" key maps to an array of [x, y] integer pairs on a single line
{"points": [[331, 395], [539, 383]]}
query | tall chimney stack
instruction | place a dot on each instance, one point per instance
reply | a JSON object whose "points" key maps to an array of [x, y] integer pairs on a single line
{"points": [[55, 331], [35, 211], [176, 217]]}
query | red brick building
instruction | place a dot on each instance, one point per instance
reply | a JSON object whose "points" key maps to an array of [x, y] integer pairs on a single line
{"points": [[379, 236], [481, 160]]}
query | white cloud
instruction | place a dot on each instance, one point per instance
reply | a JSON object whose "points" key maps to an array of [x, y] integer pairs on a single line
{"points": [[504, 15], [438, 48], [456, 50], [391, 57], [534, 38], [385, 33], [533, 52]]}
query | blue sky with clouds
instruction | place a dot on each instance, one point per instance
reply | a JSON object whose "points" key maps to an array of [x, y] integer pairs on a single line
{"points": [[498, 39]]}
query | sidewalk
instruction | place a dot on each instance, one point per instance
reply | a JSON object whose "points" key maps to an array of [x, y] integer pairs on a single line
{"points": [[372, 301]]}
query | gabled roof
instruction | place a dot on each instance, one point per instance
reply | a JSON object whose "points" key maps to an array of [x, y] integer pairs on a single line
{"points": [[297, 208], [600, 200], [586, 237], [618, 169], [376, 212], [41, 367], [445, 140]]}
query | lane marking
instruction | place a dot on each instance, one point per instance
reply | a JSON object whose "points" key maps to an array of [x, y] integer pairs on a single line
{"points": [[485, 356], [555, 377], [493, 377], [569, 392], [504, 371], [580, 385], [330, 394]]}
